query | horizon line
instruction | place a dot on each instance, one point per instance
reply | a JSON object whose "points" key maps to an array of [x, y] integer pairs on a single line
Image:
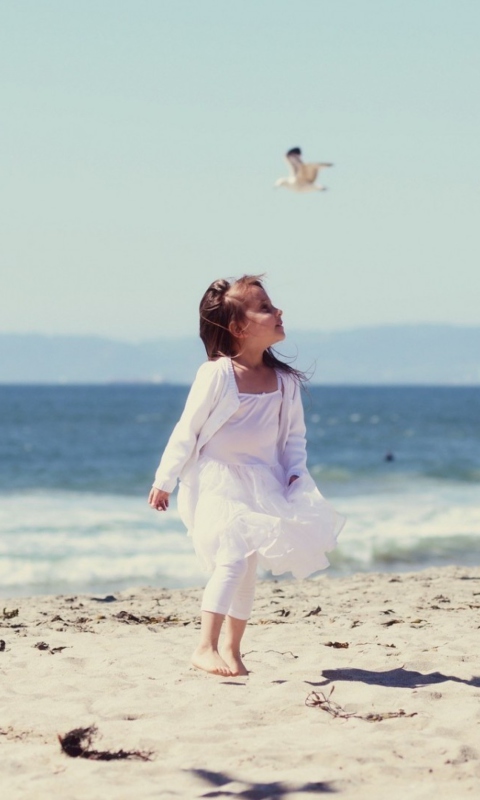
{"points": [[293, 330]]}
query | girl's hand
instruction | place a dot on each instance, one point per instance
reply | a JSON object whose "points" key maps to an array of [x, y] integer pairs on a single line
{"points": [[158, 499], [292, 478]]}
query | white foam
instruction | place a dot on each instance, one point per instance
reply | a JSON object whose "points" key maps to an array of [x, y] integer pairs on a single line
{"points": [[66, 541], [428, 521], [61, 539]]}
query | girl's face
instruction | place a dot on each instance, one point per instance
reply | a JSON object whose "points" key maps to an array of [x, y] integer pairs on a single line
{"points": [[263, 322]]}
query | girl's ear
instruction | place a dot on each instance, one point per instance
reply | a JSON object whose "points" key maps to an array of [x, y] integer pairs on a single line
{"points": [[236, 330]]}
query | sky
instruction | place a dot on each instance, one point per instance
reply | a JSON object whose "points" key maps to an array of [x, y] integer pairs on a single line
{"points": [[141, 139]]}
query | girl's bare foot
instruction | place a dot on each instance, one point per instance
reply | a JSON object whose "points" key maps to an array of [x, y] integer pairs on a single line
{"points": [[234, 662], [210, 660]]}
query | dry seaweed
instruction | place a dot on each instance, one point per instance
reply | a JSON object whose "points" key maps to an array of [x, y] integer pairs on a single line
{"points": [[380, 716], [337, 645], [77, 744], [314, 612], [126, 616], [280, 652], [110, 598], [2, 645], [318, 700], [51, 650], [10, 614]]}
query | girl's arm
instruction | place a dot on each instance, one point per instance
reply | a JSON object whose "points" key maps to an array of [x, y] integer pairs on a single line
{"points": [[183, 439], [295, 453]]}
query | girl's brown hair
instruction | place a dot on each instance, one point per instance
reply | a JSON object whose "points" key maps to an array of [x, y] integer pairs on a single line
{"points": [[223, 304]]}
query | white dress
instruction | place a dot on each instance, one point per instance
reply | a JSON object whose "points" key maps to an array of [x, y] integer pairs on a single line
{"points": [[245, 506]]}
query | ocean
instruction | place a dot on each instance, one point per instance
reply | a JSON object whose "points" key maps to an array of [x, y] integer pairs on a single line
{"points": [[77, 462]]}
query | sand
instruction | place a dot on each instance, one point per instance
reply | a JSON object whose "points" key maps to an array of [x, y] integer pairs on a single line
{"points": [[403, 719]]}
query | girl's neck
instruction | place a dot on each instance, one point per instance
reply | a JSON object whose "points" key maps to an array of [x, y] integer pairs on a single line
{"points": [[248, 360], [252, 376], [248, 355]]}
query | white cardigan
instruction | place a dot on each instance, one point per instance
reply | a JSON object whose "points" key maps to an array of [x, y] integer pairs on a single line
{"points": [[212, 400]]}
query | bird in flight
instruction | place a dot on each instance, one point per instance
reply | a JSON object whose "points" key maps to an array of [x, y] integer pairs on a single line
{"points": [[303, 175]]}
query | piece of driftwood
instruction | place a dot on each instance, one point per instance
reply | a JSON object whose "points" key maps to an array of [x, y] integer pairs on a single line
{"points": [[318, 700]]}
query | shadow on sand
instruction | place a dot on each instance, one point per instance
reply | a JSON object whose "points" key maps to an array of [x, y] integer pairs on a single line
{"points": [[396, 678], [257, 791]]}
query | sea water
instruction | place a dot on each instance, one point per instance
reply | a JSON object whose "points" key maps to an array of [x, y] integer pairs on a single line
{"points": [[77, 462]]}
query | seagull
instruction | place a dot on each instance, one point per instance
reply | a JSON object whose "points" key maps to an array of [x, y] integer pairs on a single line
{"points": [[303, 175]]}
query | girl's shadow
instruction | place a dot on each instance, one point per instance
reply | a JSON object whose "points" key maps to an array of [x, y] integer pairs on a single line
{"points": [[398, 678]]}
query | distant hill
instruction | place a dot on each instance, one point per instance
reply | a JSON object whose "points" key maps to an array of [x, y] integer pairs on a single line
{"points": [[396, 354]]}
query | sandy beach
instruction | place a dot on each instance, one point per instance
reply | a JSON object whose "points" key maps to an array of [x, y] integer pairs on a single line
{"points": [[366, 686]]}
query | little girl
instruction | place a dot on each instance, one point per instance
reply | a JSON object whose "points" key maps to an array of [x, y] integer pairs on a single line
{"points": [[245, 494]]}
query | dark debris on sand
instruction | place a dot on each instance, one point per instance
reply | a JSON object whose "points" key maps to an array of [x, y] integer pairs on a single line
{"points": [[77, 744]]}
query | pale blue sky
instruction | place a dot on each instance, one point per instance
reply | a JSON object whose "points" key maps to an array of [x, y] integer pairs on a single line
{"points": [[140, 140]]}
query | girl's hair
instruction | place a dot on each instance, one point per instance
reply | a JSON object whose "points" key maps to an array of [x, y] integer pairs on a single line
{"points": [[223, 304]]}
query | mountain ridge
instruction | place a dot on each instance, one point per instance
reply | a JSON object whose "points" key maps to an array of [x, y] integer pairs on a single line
{"points": [[385, 354]]}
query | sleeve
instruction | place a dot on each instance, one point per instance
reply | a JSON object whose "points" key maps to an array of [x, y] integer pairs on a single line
{"points": [[295, 452], [182, 442]]}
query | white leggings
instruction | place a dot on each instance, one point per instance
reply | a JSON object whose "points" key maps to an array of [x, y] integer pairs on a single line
{"points": [[231, 588]]}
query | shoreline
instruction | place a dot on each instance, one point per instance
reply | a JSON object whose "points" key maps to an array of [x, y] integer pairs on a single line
{"points": [[122, 587], [399, 651]]}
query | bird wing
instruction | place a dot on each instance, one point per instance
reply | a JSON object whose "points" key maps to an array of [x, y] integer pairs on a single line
{"points": [[294, 160], [309, 172]]}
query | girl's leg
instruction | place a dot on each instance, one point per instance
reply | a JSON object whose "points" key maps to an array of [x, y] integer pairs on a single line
{"points": [[217, 600], [234, 630], [206, 655], [237, 618]]}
